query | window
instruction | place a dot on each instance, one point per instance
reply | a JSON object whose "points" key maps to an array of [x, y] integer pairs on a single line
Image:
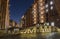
{"points": [[52, 23], [47, 23], [34, 22], [46, 10], [35, 15], [42, 12], [51, 2], [42, 20], [34, 19], [42, 16], [46, 5], [51, 7]]}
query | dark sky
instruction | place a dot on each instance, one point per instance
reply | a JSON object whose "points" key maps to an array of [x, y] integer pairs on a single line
{"points": [[18, 8]]}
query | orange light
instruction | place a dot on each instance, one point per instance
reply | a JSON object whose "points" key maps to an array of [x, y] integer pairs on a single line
{"points": [[34, 22], [34, 15], [34, 19], [41, 8], [40, 0], [42, 16], [41, 4], [42, 12], [35, 5], [42, 21]]}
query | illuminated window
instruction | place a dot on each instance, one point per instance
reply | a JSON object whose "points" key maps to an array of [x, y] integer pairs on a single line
{"points": [[52, 23], [46, 10], [42, 21], [34, 15], [51, 7], [34, 22], [41, 4], [41, 8], [35, 5], [40, 0], [47, 23], [51, 2], [34, 19], [42, 12], [34, 9], [46, 6], [42, 16]]}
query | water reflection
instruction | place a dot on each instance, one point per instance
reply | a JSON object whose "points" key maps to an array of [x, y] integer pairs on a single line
{"points": [[50, 36], [53, 35], [33, 36]]}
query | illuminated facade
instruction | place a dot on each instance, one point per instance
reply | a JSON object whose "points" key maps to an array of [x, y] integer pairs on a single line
{"points": [[52, 16], [4, 14], [27, 18], [35, 14], [41, 12], [41, 7]]}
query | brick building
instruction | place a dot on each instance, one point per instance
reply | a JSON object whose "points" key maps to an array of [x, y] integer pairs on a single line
{"points": [[4, 14]]}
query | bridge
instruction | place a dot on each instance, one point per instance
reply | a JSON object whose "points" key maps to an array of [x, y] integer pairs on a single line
{"points": [[35, 29], [39, 29]]}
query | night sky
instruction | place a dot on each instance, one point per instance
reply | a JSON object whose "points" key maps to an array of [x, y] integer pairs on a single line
{"points": [[18, 8]]}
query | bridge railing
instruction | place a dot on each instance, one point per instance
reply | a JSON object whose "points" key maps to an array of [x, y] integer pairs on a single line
{"points": [[39, 29]]}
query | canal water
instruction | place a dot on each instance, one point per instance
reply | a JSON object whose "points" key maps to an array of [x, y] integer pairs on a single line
{"points": [[53, 35]]}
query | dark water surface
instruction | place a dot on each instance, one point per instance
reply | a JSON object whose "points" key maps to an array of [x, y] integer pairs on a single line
{"points": [[33, 36]]}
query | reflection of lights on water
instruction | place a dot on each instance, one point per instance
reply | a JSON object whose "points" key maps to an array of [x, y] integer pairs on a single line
{"points": [[28, 35], [50, 36], [44, 34], [47, 35]]}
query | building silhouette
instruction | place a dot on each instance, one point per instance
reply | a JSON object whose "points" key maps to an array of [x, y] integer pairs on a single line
{"points": [[4, 14]]}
